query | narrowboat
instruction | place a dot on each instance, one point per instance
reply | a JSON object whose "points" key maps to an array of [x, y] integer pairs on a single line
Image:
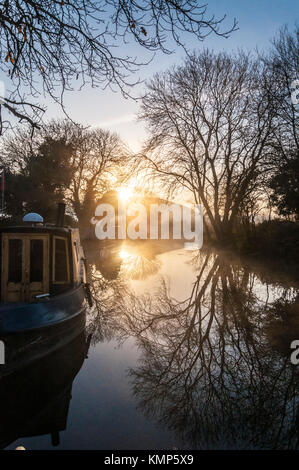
{"points": [[43, 284]]}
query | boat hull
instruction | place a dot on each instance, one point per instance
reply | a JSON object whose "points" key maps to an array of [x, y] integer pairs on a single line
{"points": [[18, 317], [33, 330]]}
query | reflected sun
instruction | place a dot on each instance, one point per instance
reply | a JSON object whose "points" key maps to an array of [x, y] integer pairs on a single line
{"points": [[136, 266], [124, 254]]}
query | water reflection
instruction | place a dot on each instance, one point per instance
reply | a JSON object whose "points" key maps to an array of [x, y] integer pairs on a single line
{"points": [[138, 260], [214, 357], [34, 400]]}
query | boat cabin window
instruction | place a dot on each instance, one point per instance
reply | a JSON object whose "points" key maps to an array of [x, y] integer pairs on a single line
{"points": [[36, 260], [61, 270], [15, 247]]}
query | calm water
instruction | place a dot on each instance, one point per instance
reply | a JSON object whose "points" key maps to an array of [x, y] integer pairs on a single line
{"points": [[188, 350]]}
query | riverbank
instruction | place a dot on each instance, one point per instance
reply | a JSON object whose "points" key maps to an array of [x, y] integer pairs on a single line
{"points": [[270, 246]]}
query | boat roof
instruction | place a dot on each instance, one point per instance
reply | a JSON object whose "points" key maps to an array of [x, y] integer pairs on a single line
{"points": [[36, 228]]}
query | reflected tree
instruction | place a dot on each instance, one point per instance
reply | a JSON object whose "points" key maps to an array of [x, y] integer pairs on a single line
{"points": [[209, 370], [214, 367]]}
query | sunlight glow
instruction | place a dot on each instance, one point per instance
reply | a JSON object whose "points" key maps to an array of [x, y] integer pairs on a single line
{"points": [[125, 193], [136, 266], [124, 254]]}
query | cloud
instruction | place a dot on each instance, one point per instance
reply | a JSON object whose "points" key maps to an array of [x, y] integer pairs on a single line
{"points": [[118, 120]]}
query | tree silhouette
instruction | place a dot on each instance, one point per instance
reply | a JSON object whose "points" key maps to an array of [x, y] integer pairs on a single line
{"points": [[210, 123], [87, 162], [44, 175], [285, 186]]}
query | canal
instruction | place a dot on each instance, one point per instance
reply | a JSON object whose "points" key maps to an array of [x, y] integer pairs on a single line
{"points": [[182, 350]]}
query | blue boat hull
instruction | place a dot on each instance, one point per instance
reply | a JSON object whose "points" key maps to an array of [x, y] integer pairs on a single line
{"points": [[29, 331], [22, 317]]}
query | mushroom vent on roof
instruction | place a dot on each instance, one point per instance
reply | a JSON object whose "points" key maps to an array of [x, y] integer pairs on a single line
{"points": [[33, 218]]}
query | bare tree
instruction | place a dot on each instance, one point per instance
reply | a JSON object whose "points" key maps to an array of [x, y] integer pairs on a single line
{"points": [[47, 45], [282, 62], [281, 83], [101, 162], [210, 122], [98, 159]]}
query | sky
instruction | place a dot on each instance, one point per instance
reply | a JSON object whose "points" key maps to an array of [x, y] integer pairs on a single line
{"points": [[258, 22]]}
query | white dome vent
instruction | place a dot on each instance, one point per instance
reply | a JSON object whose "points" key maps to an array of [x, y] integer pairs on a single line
{"points": [[33, 218]]}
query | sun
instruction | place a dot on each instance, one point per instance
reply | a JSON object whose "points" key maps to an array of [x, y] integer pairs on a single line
{"points": [[125, 193]]}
